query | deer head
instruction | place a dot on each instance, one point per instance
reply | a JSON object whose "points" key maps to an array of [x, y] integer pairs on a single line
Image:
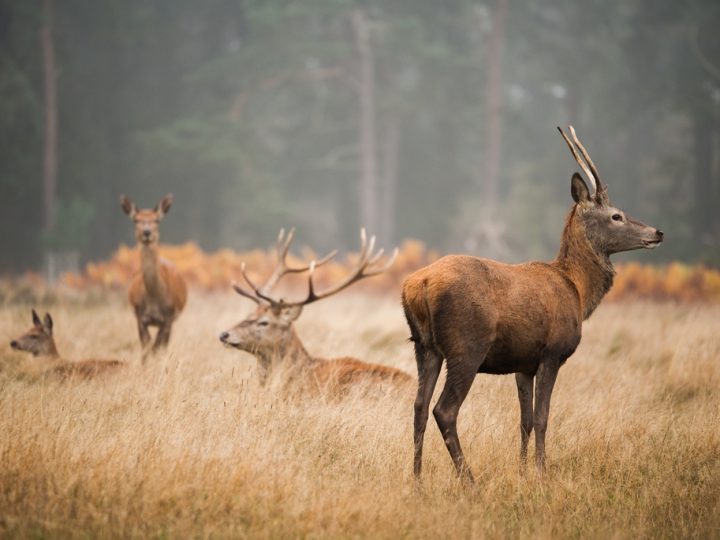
{"points": [[39, 340], [147, 220], [267, 330], [608, 229]]}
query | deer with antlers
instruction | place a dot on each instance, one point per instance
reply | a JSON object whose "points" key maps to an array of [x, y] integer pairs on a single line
{"points": [[483, 316], [268, 333], [40, 342], [158, 292]]}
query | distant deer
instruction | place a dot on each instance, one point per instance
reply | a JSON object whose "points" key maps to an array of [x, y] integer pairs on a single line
{"points": [[39, 341], [268, 333], [158, 292], [483, 316]]}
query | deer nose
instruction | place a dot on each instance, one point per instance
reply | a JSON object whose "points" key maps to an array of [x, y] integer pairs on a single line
{"points": [[659, 234], [224, 336], [146, 233], [14, 344]]}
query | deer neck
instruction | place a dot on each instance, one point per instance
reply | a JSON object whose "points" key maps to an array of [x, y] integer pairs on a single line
{"points": [[591, 272], [51, 353], [289, 350], [295, 351], [150, 268]]}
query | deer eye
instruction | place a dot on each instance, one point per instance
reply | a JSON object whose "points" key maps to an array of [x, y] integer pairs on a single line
{"points": [[263, 323], [617, 217]]}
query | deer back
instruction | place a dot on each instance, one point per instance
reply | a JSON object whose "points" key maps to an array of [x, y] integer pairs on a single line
{"points": [[85, 369], [348, 370]]}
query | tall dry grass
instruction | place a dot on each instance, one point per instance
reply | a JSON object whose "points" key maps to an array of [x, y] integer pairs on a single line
{"points": [[190, 446]]}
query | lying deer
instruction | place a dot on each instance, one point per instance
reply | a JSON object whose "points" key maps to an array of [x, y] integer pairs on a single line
{"points": [[483, 316], [158, 292], [268, 333], [39, 341]]}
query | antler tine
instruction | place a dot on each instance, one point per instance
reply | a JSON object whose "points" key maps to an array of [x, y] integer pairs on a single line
{"points": [[258, 293], [365, 260], [243, 292], [577, 157], [311, 297], [284, 247], [371, 247], [363, 243], [282, 268], [599, 185], [376, 257], [385, 267]]}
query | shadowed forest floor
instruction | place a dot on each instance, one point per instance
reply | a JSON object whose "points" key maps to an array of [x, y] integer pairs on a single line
{"points": [[190, 446]]}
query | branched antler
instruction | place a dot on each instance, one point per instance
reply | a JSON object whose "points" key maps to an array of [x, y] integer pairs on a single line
{"points": [[364, 268], [282, 247]]}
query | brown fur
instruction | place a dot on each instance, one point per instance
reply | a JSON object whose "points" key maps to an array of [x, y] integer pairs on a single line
{"points": [[157, 293], [349, 371], [85, 369], [268, 334], [176, 291], [40, 342], [484, 316]]}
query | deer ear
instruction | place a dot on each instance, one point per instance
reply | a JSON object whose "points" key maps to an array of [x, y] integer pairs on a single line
{"points": [[128, 206], [36, 319], [48, 323], [290, 314], [579, 190], [163, 207]]}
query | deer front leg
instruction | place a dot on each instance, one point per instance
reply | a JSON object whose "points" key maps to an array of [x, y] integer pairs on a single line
{"points": [[525, 394], [544, 382]]}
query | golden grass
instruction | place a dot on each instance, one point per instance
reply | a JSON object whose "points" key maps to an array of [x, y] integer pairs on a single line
{"points": [[190, 447]]}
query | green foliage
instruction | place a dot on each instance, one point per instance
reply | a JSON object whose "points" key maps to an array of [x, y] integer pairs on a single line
{"points": [[248, 111], [72, 230]]}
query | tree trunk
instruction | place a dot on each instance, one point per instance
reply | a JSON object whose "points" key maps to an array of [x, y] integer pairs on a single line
{"points": [[369, 182], [493, 108], [703, 175], [50, 153], [389, 176]]}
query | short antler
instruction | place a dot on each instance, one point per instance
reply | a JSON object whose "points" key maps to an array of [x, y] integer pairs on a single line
{"points": [[364, 268], [587, 163]]}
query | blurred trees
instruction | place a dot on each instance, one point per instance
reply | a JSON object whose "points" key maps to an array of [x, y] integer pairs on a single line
{"points": [[331, 114]]}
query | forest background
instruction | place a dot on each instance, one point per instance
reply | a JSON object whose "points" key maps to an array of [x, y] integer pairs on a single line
{"points": [[417, 119]]}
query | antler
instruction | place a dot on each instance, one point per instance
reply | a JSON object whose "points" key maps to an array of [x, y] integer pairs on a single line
{"points": [[587, 164], [364, 268], [282, 247]]}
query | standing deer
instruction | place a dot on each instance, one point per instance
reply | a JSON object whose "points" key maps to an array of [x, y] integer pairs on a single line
{"points": [[158, 292], [268, 333], [484, 316], [39, 341]]}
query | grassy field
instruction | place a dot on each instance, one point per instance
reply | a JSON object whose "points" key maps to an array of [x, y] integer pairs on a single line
{"points": [[189, 446]]}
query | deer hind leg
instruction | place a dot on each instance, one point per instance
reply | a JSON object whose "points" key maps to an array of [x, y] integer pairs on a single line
{"points": [[525, 395], [461, 373], [428, 364], [544, 382], [163, 335], [143, 331]]}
